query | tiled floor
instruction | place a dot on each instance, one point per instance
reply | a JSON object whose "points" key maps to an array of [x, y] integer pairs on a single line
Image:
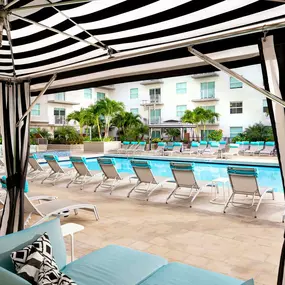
{"points": [[235, 244]]}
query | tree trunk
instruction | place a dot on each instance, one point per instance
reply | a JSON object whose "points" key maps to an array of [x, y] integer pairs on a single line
{"points": [[98, 127]]}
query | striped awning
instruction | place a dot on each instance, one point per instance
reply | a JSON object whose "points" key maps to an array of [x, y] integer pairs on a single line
{"points": [[99, 42]]}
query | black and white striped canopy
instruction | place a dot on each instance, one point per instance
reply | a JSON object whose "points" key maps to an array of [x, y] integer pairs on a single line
{"points": [[109, 41]]}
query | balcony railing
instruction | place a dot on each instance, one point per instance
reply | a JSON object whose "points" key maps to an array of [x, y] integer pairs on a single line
{"points": [[155, 120], [59, 120]]}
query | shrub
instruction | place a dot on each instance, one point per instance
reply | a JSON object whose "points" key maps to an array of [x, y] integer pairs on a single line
{"points": [[156, 140], [66, 135], [239, 138], [216, 135]]}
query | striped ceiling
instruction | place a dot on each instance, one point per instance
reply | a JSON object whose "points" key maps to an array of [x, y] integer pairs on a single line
{"points": [[127, 27]]}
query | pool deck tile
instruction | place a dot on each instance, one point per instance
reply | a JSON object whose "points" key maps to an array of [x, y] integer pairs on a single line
{"points": [[235, 244]]}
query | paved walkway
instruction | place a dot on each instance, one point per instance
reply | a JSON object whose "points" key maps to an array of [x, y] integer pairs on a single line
{"points": [[235, 244]]}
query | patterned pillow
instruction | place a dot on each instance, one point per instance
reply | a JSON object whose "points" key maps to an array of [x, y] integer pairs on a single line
{"points": [[36, 264], [30, 270]]}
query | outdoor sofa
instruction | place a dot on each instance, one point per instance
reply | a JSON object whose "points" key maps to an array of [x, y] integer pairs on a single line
{"points": [[111, 265]]}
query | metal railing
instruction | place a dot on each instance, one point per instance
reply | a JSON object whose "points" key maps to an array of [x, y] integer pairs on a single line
{"points": [[59, 120]]}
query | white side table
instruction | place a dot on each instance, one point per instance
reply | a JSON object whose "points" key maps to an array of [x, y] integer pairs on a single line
{"points": [[71, 229], [215, 187]]}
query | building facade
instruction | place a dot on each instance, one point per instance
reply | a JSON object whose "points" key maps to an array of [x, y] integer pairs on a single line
{"points": [[165, 101]]}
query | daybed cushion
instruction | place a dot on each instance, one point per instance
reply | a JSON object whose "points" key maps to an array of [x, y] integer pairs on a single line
{"points": [[182, 274], [19, 240], [113, 265]]}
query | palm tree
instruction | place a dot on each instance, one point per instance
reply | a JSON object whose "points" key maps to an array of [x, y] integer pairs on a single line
{"points": [[93, 117], [109, 109], [173, 132], [192, 117], [125, 120], [78, 116], [209, 116]]}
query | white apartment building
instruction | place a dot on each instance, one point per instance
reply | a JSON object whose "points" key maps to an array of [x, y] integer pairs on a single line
{"points": [[165, 100]]}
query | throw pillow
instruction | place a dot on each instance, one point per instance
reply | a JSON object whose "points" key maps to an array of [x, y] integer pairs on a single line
{"points": [[36, 264], [30, 270], [42, 244]]}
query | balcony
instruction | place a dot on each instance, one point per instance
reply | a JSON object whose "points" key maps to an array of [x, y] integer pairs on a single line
{"points": [[107, 87], [155, 120], [150, 82], [204, 75], [59, 120], [63, 102], [152, 101], [210, 99]]}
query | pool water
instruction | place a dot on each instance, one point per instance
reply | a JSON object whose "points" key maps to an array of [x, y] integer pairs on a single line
{"points": [[268, 176]]}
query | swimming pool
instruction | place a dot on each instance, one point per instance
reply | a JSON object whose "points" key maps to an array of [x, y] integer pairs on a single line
{"points": [[268, 176]]}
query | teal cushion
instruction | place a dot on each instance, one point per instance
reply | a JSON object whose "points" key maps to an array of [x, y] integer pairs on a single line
{"points": [[78, 159], [106, 161], [214, 144], [223, 142], [19, 240], [243, 171], [4, 185], [254, 143], [50, 157], [140, 163], [9, 278], [270, 143], [203, 143], [161, 144], [142, 143], [33, 155], [113, 265], [182, 166], [177, 144], [182, 274], [195, 144], [126, 143], [245, 142], [248, 282], [134, 142], [232, 145]]}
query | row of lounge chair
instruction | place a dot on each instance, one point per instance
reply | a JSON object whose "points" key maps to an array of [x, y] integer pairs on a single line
{"points": [[201, 148], [242, 180]]}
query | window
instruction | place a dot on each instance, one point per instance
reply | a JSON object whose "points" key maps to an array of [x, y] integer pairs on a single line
{"points": [[265, 106], [60, 96], [155, 134], [59, 115], [234, 131], [234, 83], [100, 96], [213, 109], [180, 110], [207, 90], [181, 88], [135, 111], [154, 95], [134, 93], [205, 134], [235, 107], [88, 93], [36, 111], [155, 116]]}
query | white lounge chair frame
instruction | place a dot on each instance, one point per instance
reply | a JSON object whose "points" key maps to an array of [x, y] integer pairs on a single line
{"points": [[159, 150], [56, 207], [123, 148], [247, 185], [268, 150], [232, 151], [83, 175], [184, 178], [252, 149], [110, 173], [145, 176], [36, 170], [56, 171]]}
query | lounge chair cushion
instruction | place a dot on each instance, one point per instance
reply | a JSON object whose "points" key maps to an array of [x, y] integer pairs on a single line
{"points": [[9, 278], [182, 274], [113, 265], [19, 240]]}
